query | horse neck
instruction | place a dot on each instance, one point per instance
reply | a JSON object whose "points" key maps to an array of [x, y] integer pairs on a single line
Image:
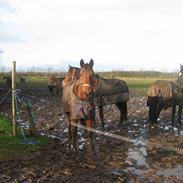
{"points": [[95, 84]]}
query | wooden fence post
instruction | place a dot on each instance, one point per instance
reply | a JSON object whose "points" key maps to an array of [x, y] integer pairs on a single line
{"points": [[14, 97]]}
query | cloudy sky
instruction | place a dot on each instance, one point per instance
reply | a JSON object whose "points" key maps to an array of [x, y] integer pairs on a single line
{"points": [[117, 34]]}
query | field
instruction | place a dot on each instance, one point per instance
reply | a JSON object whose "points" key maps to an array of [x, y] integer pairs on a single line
{"points": [[147, 158]]}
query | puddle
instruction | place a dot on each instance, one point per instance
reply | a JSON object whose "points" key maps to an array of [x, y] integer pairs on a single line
{"points": [[177, 172]]}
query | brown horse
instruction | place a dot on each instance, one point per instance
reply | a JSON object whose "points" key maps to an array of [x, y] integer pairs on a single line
{"points": [[106, 91], [55, 83], [164, 94], [78, 103]]}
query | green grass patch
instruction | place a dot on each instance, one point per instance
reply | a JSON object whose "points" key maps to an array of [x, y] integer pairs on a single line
{"points": [[142, 82], [139, 85], [10, 144]]}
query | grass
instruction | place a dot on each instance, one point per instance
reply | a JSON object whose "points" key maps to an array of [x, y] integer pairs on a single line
{"points": [[138, 85], [141, 82], [10, 144]]}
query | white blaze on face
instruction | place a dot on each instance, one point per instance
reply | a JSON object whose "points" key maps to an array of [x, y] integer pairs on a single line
{"points": [[180, 73]]}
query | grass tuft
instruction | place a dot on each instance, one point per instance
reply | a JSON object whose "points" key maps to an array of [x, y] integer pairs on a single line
{"points": [[10, 144]]}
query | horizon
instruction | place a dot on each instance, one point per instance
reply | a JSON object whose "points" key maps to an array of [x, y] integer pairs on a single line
{"points": [[50, 69]]}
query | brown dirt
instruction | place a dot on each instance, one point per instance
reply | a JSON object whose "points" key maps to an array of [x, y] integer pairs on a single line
{"points": [[147, 159]]}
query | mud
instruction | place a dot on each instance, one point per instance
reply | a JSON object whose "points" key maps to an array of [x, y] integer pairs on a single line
{"points": [[154, 154]]}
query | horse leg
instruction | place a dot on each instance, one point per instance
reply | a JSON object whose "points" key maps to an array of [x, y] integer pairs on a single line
{"points": [[101, 114], [179, 114], [69, 135], [125, 111], [122, 106], [173, 114], [74, 136], [69, 130], [83, 122], [57, 89], [152, 103], [50, 89], [89, 124], [159, 107]]}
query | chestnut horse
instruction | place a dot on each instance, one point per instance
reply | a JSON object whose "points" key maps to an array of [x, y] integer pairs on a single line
{"points": [[114, 92], [78, 103], [164, 94]]}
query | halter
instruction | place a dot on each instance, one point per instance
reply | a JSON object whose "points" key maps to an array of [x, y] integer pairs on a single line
{"points": [[86, 85]]}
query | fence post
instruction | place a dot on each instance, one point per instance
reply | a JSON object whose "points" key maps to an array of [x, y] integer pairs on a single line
{"points": [[13, 97]]}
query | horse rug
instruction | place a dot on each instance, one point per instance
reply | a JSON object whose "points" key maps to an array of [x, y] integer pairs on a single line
{"points": [[73, 105], [166, 90], [110, 91]]}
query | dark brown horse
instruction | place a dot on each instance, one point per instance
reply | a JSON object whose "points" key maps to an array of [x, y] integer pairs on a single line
{"points": [[106, 91], [111, 91], [78, 103], [164, 94]]}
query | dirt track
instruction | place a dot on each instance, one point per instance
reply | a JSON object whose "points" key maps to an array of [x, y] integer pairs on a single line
{"points": [[145, 160]]}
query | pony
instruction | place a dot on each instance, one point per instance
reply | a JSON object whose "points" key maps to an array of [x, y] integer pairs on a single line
{"points": [[78, 104], [164, 94], [106, 91]]}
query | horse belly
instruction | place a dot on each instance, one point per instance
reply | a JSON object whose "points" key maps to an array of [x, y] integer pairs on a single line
{"points": [[112, 99]]}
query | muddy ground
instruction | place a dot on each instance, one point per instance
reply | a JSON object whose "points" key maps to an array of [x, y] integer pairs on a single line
{"points": [[154, 155]]}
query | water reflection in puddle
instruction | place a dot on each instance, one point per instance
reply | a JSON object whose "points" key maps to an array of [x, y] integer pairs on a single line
{"points": [[177, 172]]}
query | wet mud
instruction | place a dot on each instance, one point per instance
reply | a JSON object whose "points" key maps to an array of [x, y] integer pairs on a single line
{"points": [[148, 154]]}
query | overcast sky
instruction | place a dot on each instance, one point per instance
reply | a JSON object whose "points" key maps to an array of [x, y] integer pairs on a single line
{"points": [[117, 34]]}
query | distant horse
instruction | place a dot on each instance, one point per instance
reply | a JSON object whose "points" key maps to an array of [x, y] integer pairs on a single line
{"points": [[8, 80], [78, 103], [106, 91], [164, 94], [54, 83]]}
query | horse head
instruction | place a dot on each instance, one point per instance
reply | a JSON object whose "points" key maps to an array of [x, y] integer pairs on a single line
{"points": [[86, 77], [73, 73], [180, 76]]}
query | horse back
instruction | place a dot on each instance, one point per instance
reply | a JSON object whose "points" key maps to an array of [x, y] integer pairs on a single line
{"points": [[111, 86]]}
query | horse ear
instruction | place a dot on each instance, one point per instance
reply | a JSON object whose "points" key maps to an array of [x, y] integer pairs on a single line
{"points": [[69, 67], [81, 62], [91, 63]]}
